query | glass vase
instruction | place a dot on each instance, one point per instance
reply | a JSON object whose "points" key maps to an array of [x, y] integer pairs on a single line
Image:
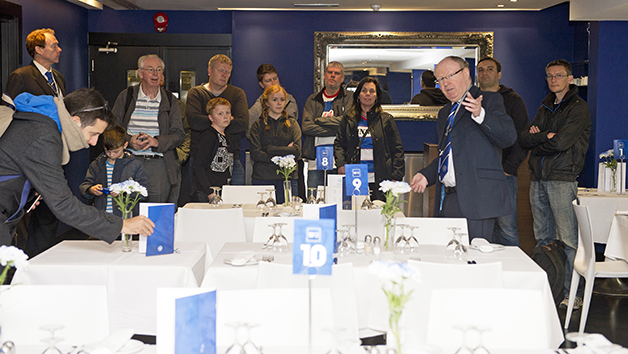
{"points": [[390, 222], [287, 192], [126, 239]]}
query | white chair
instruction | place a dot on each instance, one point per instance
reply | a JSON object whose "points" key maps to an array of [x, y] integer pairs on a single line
{"points": [[244, 194], [370, 222], [586, 266], [446, 276], [212, 226], [262, 230], [341, 284], [508, 326], [82, 311], [435, 231]]}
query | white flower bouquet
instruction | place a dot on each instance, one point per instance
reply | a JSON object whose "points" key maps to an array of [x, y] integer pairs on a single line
{"points": [[395, 274], [286, 164], [127, 195], [11, 257], [611, 163], [392, 190]]}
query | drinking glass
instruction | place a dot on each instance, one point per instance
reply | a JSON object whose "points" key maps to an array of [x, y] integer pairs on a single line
{"points": [[321, 196], [296, 204], [281, 243], [465, 347], [460, 250], [248, 347], [412, 240], [311, 199], [352, 243], [342, 248], [236, 347], [52, 340], [271, 202], [215, 198], [480, 348], [401, 244], [272, 239], [261, 204], [454, 239], [367, 204]]}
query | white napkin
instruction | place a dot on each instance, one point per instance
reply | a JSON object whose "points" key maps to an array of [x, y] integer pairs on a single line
{"points": [[482, 245], [595, 343], [242, 258], [114, 342]]}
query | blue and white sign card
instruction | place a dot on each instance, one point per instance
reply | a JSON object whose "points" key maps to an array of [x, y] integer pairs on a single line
{"points": [[195, 324], [313, 246], [356, 180], [325, 157], [619, 147], [162, 239]]}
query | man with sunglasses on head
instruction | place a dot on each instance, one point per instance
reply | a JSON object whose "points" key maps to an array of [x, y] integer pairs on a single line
{"points": [[558, 139], [152, 118], [33, 149], [473, 128]]}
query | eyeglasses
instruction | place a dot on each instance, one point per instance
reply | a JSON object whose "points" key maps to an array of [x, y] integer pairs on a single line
{"points": [[105, 109], [448, 77], [557, 77], [151, 70]]}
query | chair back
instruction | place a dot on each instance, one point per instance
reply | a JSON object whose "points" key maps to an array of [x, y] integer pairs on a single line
{"points": [[341, 284], [244, 194], [447, 276], [370, 222], [82, 311], [435, 231], [212, 226], [585, 256]]}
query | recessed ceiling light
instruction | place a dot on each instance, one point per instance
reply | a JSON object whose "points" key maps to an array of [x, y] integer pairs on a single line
{"points": [[500, 5], [513, 0]]}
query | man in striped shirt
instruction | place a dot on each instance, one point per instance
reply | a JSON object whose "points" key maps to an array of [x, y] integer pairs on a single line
{"points": [[152, 118]]}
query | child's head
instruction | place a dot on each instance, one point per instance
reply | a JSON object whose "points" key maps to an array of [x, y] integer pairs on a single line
{"points": [[114, 142], [274, 100], [219, 111]]}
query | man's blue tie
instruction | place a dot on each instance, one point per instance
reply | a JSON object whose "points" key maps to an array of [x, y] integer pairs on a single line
{"points": [[52, 83], [443, 158]]}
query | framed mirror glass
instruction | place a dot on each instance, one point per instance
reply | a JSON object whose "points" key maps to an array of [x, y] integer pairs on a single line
{"points": [[397, 60]]}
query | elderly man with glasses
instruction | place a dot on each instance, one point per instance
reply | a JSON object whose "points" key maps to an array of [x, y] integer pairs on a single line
{"points": [[152, 118], [558, 139], [473, 128]]}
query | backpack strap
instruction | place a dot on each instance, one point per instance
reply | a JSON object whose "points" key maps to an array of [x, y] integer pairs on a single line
{"points": [[25, 190], [129, 98]]}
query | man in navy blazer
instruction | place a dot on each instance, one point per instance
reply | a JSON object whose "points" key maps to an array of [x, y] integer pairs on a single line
{"points": [[43, 46], [469, 178]]}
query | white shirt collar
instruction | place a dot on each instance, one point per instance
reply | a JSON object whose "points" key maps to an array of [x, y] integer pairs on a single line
{"points": [[42, 70], [141, 94]]}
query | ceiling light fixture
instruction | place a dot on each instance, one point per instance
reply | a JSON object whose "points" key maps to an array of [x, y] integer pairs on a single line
{"points": [[316, 5], [500, 5], [376, 7]]}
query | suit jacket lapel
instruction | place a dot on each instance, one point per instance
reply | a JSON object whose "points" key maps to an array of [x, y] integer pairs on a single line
{"points": [[462, 112], [41, 80]]}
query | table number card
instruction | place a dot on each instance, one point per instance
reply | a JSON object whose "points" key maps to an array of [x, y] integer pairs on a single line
{"points": [[313, 246], [162, 239], [325, 157], [356, 181]]}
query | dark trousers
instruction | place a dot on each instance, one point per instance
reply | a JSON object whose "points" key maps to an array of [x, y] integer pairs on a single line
{"points": [[477, 227]]}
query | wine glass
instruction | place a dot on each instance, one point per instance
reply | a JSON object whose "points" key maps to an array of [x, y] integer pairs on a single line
{"points": [[402, 242], [337, 333], [281, 243], [351, 242], [271, 202], [311, 199], [261, 204], [272, 238], [465, 347], [215, 199], [52, 340], [296, 204], [236, 347], [321, 196], [460, 250], [367, 204], [454, 239], [412, 241], [342, 248], [249, 347], [480, 348]]}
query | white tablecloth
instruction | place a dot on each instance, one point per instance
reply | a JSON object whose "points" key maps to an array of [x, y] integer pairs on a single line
{"points": [[131, 278], [617, 245], [519, 272], [602, 207]]}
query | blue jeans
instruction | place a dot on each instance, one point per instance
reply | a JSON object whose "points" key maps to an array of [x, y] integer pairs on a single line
{"points": [[279, 192], [554, 217], [237, 176], [506, 226]]}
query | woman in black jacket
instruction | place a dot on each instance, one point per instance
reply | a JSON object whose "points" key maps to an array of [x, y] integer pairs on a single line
{"points": [[369, 135]]}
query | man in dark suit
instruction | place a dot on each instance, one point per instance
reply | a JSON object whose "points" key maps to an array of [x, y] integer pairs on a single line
{"points": [[473, 129], [39, 78]]}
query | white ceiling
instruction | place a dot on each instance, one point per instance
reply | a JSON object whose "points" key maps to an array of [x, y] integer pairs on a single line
{"points": [[344, 5]]}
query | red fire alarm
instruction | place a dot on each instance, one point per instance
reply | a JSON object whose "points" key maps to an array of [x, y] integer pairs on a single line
{"points": [[161, 22]]}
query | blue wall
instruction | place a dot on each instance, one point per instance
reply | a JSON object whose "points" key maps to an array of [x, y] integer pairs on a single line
{"points": [[70, 24]]}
